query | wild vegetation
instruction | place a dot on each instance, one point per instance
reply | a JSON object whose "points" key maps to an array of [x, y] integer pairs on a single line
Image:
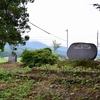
{"points": [[65, 80], [38, 57], [41, 75]]}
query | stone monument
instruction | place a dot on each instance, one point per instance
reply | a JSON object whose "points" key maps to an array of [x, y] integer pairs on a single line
{"points": [[83, 51], [12, 58]]}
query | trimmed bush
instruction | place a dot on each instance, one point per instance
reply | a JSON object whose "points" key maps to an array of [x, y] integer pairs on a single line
{"points": [[33, 58]]}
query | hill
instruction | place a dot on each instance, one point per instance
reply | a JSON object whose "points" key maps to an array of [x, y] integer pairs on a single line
{"points": [[35, 45], [66, 80], [31, 46]]}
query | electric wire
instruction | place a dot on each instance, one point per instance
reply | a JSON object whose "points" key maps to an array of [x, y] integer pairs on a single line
{"points": [[46, 31], [56, 36], [70, 40], [39, 28]]}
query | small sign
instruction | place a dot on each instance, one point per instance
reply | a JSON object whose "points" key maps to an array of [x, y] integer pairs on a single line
{"points": [[86, 51]]}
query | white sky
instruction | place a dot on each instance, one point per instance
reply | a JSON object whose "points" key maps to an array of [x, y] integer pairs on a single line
{"points": [[55, 16]]}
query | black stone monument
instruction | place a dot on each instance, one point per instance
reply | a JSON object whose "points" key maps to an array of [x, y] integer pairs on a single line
{"points": [[82, 51]]}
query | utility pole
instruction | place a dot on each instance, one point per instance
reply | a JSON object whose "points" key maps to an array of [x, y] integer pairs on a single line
{"points": [[97, 41], [67, 38]]}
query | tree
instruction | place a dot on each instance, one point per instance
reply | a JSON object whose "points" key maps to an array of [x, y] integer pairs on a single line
{"points": [[13, 22], [56, 45], [97, 6]]}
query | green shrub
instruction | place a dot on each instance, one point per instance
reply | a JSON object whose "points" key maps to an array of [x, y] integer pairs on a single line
{"points": [[33, 58], [84, 63], [4, 75], [79, 63]]}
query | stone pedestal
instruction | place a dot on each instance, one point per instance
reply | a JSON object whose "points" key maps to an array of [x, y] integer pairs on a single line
{"points": [[12, 58]]}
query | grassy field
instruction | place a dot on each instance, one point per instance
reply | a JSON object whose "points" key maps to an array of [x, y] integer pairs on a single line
{"points": [[66, 80], [2, 60]]}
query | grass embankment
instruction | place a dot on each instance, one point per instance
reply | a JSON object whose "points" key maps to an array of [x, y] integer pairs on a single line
{"points": [[68, 80]]}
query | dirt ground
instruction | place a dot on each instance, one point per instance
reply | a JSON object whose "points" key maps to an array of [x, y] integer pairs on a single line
{"points": [[67, 85], [10, 65]]}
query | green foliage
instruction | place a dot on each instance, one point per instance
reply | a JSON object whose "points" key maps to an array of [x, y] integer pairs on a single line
{"points": [[4, 75], [48, 49], [62, 56], [38, 57], [13, 22], [85, 63], [16, 91], [80, 63], [24, 83]]}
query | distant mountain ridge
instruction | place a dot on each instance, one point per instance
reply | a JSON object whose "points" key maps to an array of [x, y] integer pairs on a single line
{"points": [[37, 45], [34, 45]]}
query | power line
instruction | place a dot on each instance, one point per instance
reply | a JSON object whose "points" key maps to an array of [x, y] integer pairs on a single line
{"points": [[58, 37], [81, 37], [39, 28], [46, 31]]}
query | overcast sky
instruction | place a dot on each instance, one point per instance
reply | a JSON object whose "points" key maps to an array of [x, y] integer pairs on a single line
{"points": [[56, 16]]}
